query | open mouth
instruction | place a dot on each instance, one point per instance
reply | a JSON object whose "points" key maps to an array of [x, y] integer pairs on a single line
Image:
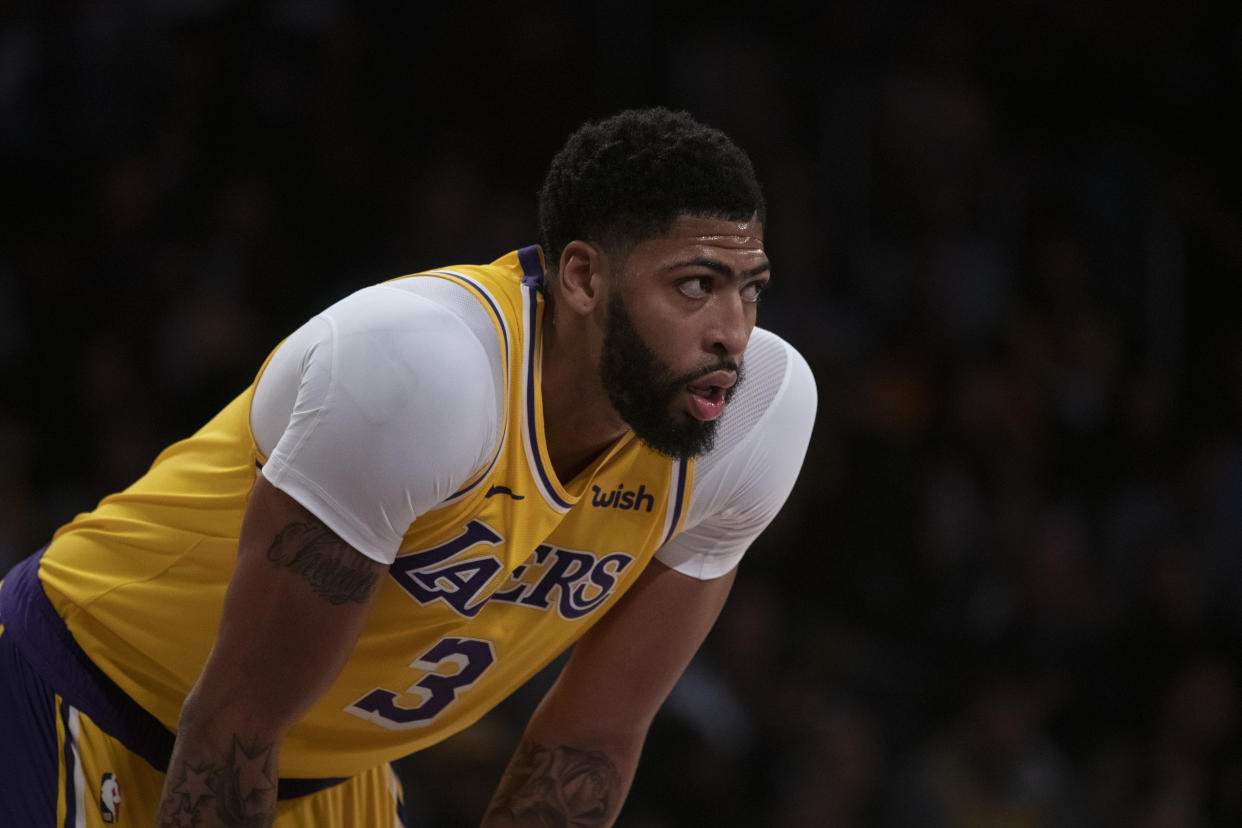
{"points": [[707, 395], [707, 402]]}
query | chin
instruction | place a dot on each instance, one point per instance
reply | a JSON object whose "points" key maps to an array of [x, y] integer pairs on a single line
{"points": [[680, 441]]}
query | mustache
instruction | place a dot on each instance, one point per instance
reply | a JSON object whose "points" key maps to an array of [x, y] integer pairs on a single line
{"points": [[723, 365]]}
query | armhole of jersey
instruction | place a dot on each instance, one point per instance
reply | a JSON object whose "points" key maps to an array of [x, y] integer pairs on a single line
{"points": [[260, 454], [681, 484], [275, 392], [467, 296]]}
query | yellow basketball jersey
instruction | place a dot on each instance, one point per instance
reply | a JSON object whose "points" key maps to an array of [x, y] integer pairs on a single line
{"points": [[486, 589]]}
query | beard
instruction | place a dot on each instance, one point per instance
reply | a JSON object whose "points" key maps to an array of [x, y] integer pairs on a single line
{"points": [[643, 388]]}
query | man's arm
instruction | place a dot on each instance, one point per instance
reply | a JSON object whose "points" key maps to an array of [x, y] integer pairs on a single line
{"points": [[293, 611], [580, 751]]}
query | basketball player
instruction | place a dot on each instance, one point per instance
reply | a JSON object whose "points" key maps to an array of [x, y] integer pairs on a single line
{"points": [[431, 489]]}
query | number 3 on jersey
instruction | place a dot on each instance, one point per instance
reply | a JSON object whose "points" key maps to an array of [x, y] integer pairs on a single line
{"points": [[435, 690]]}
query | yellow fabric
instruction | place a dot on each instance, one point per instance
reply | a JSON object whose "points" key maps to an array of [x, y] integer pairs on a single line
{"points": [[112, 787], [140, 580]]}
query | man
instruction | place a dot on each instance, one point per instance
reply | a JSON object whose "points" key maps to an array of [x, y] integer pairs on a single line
{"points": [[432, 489]]}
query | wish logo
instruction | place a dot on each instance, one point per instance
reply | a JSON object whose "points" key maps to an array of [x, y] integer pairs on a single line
{"points": [[573, 582], [622, 498]]}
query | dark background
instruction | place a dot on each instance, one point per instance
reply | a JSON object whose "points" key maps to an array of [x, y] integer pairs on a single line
{"points": [[1007, 590]]}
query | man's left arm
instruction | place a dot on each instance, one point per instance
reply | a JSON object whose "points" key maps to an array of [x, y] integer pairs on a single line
{"points": [[580, 751]]}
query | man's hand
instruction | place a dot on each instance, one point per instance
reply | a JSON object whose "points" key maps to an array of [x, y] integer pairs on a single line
{"points": [[238, 790], [557, 786], [580, 751]]}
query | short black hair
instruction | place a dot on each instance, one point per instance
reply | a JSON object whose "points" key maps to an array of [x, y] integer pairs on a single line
{"points": [[626, 178]]}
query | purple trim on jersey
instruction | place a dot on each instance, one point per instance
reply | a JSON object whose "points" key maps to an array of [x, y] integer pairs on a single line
{"points": [[504, 330], [487, 299], [532, 267], [41, 638], [471, 486], [677, 501], [530, 406]]}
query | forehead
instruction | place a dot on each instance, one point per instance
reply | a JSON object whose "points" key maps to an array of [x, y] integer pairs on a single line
{"points": [[702, 236]]}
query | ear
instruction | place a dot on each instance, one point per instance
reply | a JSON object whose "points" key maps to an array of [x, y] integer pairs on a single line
{"points": [[582, 277]]}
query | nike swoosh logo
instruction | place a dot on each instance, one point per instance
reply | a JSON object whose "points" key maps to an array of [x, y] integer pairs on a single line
{"points": [[504, 490]]}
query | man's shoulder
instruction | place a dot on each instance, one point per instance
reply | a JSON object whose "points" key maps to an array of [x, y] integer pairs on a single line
{"points": [[497, 287], [380, 355], [422, 318], [412, 300]]}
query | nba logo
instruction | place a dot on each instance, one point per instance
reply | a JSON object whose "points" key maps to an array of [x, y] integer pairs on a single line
{"points": [[110, 798]]}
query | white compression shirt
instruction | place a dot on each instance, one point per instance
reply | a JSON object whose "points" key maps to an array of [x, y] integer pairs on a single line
{"points": [[381, 407]]}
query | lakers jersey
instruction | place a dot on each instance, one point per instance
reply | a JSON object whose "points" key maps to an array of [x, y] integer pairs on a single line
{"points": [[486, 587]]}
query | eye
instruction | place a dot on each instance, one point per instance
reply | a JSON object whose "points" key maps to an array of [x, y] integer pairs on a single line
{"points": [[696, 287], [753, 290]]}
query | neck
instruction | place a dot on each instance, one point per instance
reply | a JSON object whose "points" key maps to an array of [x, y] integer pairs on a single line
{"points": [[579, 420]]}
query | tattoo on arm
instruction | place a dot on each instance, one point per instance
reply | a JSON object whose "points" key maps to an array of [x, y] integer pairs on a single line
{"points": [[332, 568], [556, 786], [239, 791]]}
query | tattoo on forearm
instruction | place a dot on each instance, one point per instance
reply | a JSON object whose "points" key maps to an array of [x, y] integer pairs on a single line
{"points": [[556, 786], [334, 571], [237, 792]]}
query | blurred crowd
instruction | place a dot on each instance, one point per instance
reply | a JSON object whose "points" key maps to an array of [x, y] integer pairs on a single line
{"points": [[1007, 591]]}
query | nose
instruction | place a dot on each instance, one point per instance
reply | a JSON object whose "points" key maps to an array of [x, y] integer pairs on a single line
{"points": [[732, 321]]}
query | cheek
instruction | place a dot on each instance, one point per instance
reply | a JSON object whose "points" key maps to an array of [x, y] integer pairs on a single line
{"points": [[662, 329], [679, 350], [670, 334]]}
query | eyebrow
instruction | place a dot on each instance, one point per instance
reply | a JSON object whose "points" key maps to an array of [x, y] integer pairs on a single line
{"points": [[722, 268]]}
